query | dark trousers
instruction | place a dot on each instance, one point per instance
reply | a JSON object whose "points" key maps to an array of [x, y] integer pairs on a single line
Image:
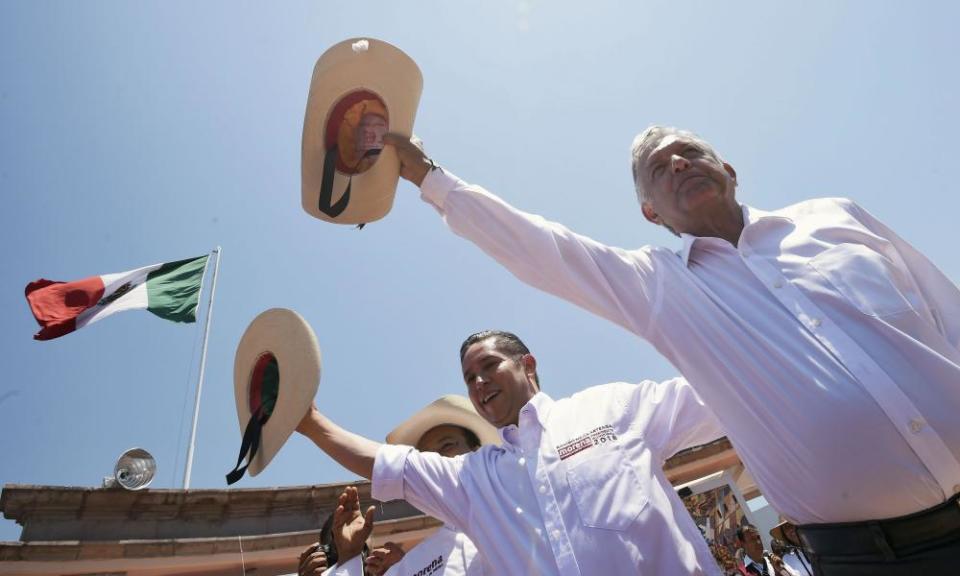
{"points": [[923, 544]]}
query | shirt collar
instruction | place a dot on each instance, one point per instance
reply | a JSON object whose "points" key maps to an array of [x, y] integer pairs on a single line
{"points": [[750, 216], [750, 561], [540, 405]]}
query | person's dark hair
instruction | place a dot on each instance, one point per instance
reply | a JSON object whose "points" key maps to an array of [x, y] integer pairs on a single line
{"points": [[742, 530], [327, 544], [473, 441], [506, 342]]}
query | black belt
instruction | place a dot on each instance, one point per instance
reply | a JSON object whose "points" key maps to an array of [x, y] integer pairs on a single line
{"points": [[889, 538]]}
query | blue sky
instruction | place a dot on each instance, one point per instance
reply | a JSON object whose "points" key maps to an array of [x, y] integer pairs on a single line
{"points": [[142, 132]]}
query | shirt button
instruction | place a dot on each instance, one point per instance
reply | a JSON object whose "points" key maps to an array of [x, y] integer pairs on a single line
{"points": [[543, 489], [556, 534], [816, 322], [916, 426], [778, 284], [519, 510], [521, 461]]}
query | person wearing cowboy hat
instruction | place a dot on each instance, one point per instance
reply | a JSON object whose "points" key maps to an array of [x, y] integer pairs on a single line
{"points": [[449, 427], [576, 486]]}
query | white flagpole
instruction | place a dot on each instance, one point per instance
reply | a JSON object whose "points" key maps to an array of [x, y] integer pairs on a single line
{"points": [[203, 364]]}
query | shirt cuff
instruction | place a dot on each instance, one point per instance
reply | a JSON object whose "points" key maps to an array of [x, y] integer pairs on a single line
{"points": [[388, 465], [352, 567], [436, 185]]}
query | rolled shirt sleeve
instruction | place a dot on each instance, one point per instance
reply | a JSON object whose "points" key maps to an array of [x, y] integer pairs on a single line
{"points": [[430, 482]]}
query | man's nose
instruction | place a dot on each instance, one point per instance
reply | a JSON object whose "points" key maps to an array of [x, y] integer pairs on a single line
{"points": [[679, 163], [478, 381]]}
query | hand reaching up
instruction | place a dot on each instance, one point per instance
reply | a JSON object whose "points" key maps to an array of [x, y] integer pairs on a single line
{"points": [[350, 528]]}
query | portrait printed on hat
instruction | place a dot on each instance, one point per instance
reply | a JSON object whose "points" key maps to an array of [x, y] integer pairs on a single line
{"points": [[356, 128]]}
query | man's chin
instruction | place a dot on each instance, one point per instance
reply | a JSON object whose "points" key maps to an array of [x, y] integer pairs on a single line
{"points": [[698, 197]]}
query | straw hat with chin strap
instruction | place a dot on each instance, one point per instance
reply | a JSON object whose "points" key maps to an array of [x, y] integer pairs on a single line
{"points": [[449, 410], [276, 374], [361, 89]]}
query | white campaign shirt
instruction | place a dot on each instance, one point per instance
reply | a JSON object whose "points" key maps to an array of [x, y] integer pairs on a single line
{"points": [[828, 347], [446, 552], [576, 488]]}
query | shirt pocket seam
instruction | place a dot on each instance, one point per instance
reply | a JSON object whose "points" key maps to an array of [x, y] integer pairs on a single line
{"points": [[590, 477], [834, 274]]}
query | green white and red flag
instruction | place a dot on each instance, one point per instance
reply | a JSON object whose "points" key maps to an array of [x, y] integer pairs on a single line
{"points": [[171, 290]]}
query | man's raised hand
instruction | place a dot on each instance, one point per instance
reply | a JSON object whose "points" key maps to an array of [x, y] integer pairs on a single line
{"points": [[350, 528], [414, 163]]}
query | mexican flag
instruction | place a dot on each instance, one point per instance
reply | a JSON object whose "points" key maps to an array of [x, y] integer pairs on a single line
{"points": [[171, 290]]}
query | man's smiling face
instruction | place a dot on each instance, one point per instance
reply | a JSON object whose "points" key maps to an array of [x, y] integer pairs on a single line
{"points": [[498, 384]]}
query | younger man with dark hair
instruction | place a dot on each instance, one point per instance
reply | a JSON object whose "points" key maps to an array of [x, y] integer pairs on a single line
{"points": [[577, 486]]}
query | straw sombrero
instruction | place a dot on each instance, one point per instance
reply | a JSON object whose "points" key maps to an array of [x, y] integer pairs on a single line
{"points": [[361, 89], [276, 374], [451, 410]]}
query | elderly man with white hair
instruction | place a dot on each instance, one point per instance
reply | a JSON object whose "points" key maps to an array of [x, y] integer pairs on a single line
{"points": [[828, 346]]}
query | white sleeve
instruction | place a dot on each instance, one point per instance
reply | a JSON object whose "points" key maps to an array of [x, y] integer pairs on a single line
{"points": [[678, 418], [613, 283], [940, 294], [427, 480], [352, 567]]}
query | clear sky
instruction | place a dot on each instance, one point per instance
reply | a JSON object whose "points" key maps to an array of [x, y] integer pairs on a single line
{"points": [[141, 132]]}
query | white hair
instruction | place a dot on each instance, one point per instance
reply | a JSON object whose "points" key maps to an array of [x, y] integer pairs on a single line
{"points": [[647, 140]]}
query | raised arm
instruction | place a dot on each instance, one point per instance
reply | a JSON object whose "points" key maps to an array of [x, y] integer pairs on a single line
{"points": [[613, 283], [428, 481], [676, 418], [352, 451]]}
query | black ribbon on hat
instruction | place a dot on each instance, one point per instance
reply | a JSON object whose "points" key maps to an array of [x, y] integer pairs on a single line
{"points": [[325, 204], [250, 443], [263, 393]]}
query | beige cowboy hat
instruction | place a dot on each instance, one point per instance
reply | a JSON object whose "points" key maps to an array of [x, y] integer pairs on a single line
{"points": [[361, 89], [448, 410], [276, 373]]}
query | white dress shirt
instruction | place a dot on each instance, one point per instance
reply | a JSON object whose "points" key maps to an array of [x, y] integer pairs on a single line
{"points": [[828, 347], [576, 488], [446, 552]]}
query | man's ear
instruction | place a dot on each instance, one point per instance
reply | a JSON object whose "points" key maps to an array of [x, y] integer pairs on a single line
{"points": [[730, 171], [529, 366], [649, 213]]}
